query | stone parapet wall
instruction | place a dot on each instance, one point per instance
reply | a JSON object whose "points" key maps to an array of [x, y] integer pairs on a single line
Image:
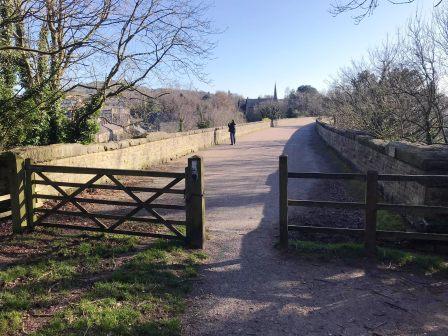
{"points": [[139, 153], [364, 152]]}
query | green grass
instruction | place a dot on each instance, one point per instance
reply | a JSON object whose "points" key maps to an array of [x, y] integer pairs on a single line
{"points": [[428, 264], [390, 221], [89, 290]]}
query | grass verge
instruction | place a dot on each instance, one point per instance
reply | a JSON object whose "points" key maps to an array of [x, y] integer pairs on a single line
{"points": [[398, 259], [390, 221], [97, 285]]}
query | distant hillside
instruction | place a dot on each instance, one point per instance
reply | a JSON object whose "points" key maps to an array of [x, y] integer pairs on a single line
{"points": [[161, 109]]}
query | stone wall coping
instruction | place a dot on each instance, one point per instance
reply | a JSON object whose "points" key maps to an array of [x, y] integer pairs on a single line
{"points": [[430, 158], [58, 151]]}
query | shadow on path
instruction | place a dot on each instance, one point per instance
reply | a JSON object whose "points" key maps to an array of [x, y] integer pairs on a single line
{"points": [[262, 291]]}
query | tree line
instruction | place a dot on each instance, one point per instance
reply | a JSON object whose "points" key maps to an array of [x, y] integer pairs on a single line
{"points": [[398, 92], [188, 109], [303, 101], [364, 8], [49, 47]]}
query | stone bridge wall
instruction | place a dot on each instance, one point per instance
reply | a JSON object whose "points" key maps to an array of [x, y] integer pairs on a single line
{"points": [[364, 153], [127, 154]]}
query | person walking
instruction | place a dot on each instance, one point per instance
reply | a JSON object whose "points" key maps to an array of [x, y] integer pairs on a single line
{"points": [[232, 130]]}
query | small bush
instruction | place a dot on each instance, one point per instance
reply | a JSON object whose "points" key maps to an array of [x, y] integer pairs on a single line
{"points": [[400, 259], [389, 221], [204, 124], [10, 322]]}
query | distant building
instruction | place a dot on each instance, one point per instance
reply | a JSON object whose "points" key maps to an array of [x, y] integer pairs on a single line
{"points": [[250, 105], [115, 119], [117, 115]]}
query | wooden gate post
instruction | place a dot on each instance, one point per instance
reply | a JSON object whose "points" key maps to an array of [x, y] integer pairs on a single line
{"points": [[195, 214], [29, 196], [370, 215], [16, 174], [283, 200]]}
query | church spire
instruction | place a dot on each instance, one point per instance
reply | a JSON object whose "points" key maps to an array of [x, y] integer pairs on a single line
{"points": [[275, 91]]}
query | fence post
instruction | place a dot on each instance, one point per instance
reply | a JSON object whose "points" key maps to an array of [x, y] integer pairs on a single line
{"points": [[283, 200], [370, 215], [215, 136], [16, 176], [195, 207], [29, 196]]}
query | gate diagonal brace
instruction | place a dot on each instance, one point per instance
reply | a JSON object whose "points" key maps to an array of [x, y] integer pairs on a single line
{"points": [[145, 205], [70, 199]]}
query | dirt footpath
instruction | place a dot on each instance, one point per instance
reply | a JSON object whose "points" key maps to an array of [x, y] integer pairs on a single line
{"points": [[248, 287]]}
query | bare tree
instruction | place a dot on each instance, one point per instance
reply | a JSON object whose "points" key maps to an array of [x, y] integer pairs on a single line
{"points": [[364, 8], [271, 109], [104, 46], [193, 109], [397, 93], [421, 56]]}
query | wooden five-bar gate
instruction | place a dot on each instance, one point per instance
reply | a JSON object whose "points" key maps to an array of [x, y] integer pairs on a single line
{"points": [[371, 205], [49, 187]]}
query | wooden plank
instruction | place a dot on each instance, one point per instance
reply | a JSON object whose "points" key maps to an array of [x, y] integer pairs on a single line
{"points": [[165, 222], [163, 190], [418, 209], [5, 215], [149, 200], [140, 203], [283, 200], [327, 204], [370, 214], [29, 194], [327, 230], [97, 229], [124, 188], [67, 198], [5, 205], [71, 198], [102, 171], [362, 177], [107, 216], [5, 197], [399, 235], [413, 178], [111, 187], [111, 202], [380, 235], [4, 175], [333, 176]]}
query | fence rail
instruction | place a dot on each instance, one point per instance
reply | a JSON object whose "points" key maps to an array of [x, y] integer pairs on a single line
{"points": [[5, 207], [5, 197], [370, 206], [110, 187], [100, 171], [25, 177]]}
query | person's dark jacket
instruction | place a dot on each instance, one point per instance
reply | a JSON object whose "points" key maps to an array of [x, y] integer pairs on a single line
{"points": [[232, 127]]}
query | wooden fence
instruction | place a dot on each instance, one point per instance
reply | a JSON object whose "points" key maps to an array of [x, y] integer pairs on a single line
{"points": [[26, 215], [5, 206], [5, 198], [370, 206], [10, 174]]}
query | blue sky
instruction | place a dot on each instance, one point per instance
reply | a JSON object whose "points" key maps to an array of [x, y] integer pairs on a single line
{"points": [[292, 42]]}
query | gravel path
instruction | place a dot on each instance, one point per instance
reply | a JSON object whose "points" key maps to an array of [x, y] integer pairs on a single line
{"points": [[248, 287]]}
